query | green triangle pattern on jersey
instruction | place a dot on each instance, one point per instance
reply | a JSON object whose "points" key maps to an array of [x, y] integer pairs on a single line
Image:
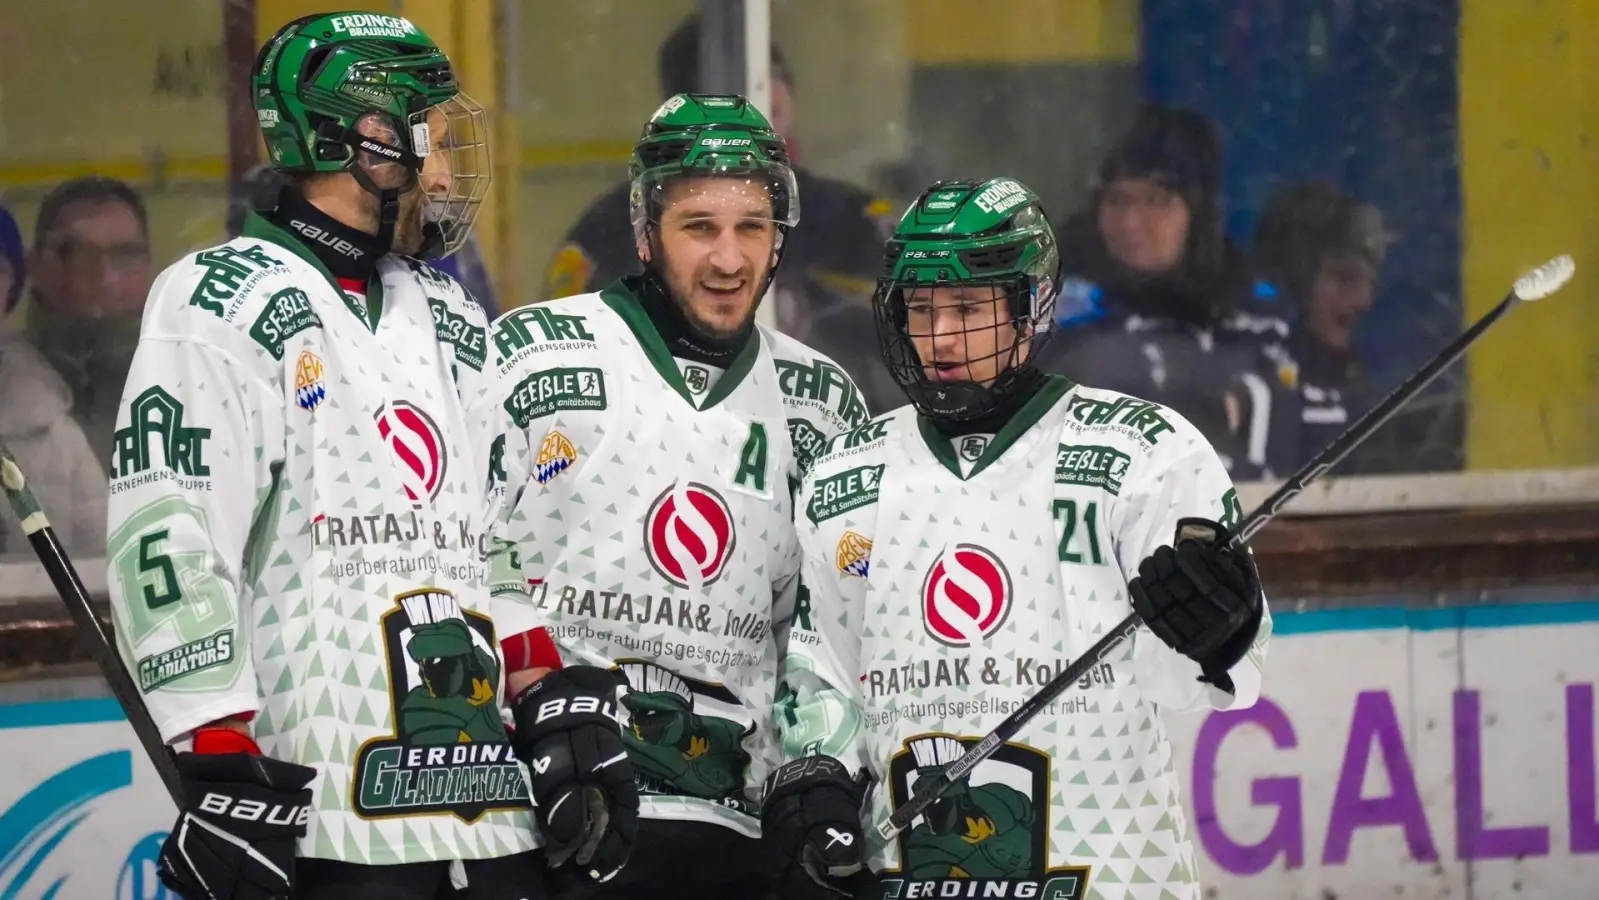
{"points": [[323, 847], [353, 851]]}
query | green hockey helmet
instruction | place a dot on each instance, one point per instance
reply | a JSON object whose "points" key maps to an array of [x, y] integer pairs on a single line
{"points": [[320, 76], [967, 295], [710, 136]]}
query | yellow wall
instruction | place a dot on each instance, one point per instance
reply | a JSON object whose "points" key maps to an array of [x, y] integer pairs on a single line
{"points": [[953, 32], [1529, 98]]}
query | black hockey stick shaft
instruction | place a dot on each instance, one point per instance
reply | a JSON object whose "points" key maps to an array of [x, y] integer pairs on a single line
{"points": [[1540, 283], [76, 597]]}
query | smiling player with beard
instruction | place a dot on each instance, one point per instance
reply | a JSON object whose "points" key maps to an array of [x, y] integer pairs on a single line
{"points": [[645, 440]]}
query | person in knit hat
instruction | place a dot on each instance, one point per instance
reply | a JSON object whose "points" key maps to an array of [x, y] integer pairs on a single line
{"points": [[1319, 253], [1155, 300]]}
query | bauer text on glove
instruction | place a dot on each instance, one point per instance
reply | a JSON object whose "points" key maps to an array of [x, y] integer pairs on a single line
{"points": [[234, 839], [586, 804]]}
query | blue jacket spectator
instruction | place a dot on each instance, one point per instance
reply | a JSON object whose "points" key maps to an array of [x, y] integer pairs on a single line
{"points": [[13, 261], [1318, 254], [1155, 301]]}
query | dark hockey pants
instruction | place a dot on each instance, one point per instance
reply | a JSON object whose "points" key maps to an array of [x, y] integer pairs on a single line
{"points": [[677, 861], [518, 877]]}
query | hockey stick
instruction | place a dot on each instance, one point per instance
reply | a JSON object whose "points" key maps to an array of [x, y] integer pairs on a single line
{"points": [[76, 597], [1535, 285]]}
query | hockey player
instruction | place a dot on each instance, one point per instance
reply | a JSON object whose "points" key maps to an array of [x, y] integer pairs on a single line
{"points": [[649, 437], [960, 551], [297, 577]]}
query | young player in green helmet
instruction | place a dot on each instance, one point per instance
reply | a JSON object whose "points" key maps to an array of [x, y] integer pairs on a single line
{"points": [[296, 567], [648, 436], [959, 551]]}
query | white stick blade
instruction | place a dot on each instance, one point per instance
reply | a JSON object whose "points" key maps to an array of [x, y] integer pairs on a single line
{"points": [[1546, 279]]}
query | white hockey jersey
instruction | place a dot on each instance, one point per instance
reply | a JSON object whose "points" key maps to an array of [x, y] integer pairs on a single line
{"points": [[937, 597], [649, 505], [295, 531]]}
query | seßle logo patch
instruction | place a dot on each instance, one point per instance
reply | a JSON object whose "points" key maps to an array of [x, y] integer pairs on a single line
{"points": [[417, 444], [689, 535], [966, 596]]}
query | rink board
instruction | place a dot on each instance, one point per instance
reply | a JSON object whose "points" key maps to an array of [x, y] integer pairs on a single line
{"points": [[1405, 753], [1393, 749]]}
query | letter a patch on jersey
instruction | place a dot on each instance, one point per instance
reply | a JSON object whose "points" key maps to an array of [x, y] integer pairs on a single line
{"points": [[966, 596]]}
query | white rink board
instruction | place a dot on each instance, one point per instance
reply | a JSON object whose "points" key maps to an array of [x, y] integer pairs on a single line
{"points": [[82, 811], [1425, 698], [1404, 755]]}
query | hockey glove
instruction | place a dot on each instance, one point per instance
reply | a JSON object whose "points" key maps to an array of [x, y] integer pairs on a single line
{"points": [[235, 838], [568, 734], [1202, 598], [811, 823]]}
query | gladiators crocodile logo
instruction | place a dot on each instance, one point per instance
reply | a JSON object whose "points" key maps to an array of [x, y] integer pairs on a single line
{"points": [[449, 752], [987, 837], [680, 738]]}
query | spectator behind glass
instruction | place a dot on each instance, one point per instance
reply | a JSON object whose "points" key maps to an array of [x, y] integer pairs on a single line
{"points": [[1318, 253], [91, 272], [13, 262], [258, 190], [37, 426], [830, 264], [1154, 299]]}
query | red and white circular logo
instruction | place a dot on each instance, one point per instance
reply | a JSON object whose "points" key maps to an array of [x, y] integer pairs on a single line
{"points": [[688, 534], [966, 596], [418, 445]]}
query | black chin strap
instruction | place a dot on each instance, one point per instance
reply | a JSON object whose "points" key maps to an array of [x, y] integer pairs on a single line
{"points": [[388, 203], [388, 198]]}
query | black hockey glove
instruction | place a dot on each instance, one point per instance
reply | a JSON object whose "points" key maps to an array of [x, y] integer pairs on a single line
{"points": [[1202, 598], [811, 823], [235, 838], [568, 734]]}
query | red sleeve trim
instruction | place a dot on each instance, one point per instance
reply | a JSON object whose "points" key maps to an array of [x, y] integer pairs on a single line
{"points": [[214, 739], [532, 649]]}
